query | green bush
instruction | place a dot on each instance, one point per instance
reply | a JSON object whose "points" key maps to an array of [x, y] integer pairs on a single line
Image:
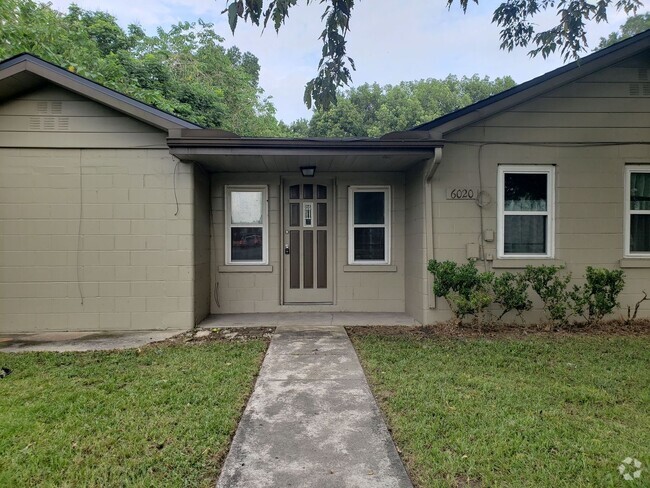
{"points": [[552, 289], [511, 293], [466, 289], [599, 295]]}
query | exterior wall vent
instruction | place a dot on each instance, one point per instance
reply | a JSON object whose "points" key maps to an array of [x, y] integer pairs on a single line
{"points": [[56, 107], [49, 123], [646, 89], [643, 74], [635, 89], [34, 123], [63, 123], [42, 107]]}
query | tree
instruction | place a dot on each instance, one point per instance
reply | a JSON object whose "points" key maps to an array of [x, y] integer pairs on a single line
{"points": [[184, 70], [514, 17], [371, 110], [632, 26]]}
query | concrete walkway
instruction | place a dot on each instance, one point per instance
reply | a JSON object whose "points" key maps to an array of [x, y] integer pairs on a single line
{"points": [[312, 421], [311, 318]]}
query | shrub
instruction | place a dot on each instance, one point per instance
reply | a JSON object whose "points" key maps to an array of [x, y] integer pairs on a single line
{"points": [[511, 293], [466, 289], [599, 295], [552, 289]]}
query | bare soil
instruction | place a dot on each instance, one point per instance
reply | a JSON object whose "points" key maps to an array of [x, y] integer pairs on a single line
{"points": [[452, 329], [226, 334]]}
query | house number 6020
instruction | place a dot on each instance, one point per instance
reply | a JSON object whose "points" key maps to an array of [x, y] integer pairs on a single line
{"points": [[461, 193]]}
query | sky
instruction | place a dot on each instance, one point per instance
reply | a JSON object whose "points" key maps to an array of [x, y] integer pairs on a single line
{"points": [[390, 41]]}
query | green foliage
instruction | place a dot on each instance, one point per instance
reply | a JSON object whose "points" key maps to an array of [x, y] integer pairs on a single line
{"points": [[599, 295], [511, 293], [184, 70], [514, 17], [466, 289], [551, 287], [371, 110], [632, 26]]}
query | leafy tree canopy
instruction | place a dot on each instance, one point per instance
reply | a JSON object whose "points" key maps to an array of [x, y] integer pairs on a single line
{"points": [[514, 17], [184, 70], [371, 110], [632, 26]]}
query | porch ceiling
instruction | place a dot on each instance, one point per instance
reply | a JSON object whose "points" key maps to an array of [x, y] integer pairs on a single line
{"points": [[223, 152]]}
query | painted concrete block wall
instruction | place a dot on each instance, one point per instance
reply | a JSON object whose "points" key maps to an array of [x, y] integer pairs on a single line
{"points": [[415, 262], [201, 238], [240, 290], [589, 178], [98, 223]]}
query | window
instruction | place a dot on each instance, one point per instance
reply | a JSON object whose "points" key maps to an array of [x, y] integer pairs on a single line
{"points": [[369, 225], [526, 211], [637, 210], [246, 225]]}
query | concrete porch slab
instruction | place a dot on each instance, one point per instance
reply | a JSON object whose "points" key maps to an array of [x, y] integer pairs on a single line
{"points": [[317, 319], [82, 341]]}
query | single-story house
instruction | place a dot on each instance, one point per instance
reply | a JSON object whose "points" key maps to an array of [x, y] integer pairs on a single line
{"points": [[116, 215]]}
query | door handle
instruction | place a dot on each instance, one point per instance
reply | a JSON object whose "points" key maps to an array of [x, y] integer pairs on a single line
{"points": [[286, 249]]}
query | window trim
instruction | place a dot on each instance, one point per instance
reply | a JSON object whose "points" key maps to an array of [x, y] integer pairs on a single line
{"points": [[549, 170], [386, 189], [629, 169], [228, 189]]}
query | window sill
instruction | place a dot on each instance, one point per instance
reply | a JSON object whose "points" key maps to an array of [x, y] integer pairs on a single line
{"points": [[369, 268], [634, 262], [520, 263], [246, 268]]}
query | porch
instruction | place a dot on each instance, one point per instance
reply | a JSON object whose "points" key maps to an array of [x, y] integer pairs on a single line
{"points": [[318, 319]]}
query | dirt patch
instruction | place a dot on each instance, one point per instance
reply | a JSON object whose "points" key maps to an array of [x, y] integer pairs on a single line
{"points": [[453, 330], [225, 334]]}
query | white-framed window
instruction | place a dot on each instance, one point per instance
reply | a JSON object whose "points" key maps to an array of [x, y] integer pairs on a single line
{"points": [[637, 210], [369, 225], [247, 225], [526, 211]]}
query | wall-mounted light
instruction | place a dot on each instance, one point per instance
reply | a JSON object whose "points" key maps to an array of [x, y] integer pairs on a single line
{"points": [[308, 171]]}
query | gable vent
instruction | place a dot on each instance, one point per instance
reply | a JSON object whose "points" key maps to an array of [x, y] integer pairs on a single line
{"points": [[56, 107], [635, 89], [63, 123], [643, 74], [49, 123], [34, 123], [42, 107], [646, 89]]}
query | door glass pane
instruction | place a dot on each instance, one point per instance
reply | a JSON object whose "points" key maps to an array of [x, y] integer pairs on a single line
{"points": [[246, 243], [321, 192], [525, 234], [525, 191], [294, 214], [308, 192], [640, 191], [246, 207], [369, 207], [294, 192], [640, 233], [369, 244]]}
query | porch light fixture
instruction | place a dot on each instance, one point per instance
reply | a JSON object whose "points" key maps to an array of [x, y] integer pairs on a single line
{"points": [[308, 171]]}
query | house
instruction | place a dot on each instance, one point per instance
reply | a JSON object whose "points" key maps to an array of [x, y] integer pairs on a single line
{"points": [[116, 215]]}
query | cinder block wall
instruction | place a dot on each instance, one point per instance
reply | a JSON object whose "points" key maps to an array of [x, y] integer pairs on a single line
{"points": [[97, 219]]}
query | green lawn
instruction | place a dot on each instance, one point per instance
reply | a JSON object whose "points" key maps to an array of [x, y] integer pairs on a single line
{"points": [[538, 412], [160, 417]]}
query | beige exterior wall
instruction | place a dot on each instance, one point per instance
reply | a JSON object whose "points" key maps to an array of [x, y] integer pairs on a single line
{"points": [[605, 106], [201, 237], [355, 291], [88, 209]]}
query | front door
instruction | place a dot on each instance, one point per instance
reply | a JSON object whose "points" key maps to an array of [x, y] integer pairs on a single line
{"points": [[308, 240]]}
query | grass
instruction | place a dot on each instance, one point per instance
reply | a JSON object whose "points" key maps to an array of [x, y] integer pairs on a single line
{"points": [[162, 416], [538, 412]]}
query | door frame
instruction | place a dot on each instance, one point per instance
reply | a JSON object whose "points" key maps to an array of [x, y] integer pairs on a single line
{"points": [[284, 181]]}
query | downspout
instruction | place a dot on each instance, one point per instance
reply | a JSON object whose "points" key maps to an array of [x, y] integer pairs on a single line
{"points": [[429, 172]]}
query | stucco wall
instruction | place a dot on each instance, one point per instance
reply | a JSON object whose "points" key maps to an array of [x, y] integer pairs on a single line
{"points": [[95, 217], [360, 291], [603, 107]]}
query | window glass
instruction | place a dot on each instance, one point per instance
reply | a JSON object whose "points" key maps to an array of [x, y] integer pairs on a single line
{"points": [[640, 191], [369, 207], [246, 207], [525, 192], [640, 233], [369, 244], [525, 234], [246, 243]]}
